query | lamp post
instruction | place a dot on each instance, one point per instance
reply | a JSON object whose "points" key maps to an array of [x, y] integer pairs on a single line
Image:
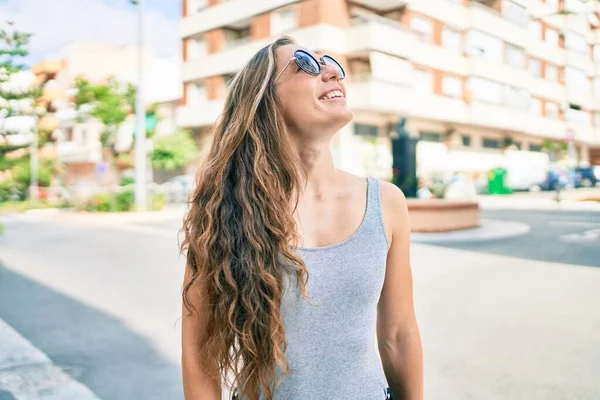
{"points": [[140, 117]]}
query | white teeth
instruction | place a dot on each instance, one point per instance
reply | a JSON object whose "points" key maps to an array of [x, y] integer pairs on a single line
{"points": [[332, 94]]}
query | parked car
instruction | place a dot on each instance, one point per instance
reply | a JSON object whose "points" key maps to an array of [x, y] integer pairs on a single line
{"points": [[587, 176]]}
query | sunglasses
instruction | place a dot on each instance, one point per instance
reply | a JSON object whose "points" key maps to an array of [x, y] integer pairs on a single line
{"points": [[311, 66]]}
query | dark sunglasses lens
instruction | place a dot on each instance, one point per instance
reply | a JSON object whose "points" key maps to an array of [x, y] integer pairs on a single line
{"points": [[332, 63], [307, 63]]}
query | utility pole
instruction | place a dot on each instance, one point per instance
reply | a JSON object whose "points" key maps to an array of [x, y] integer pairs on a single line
{"points": [[34, 165], [141, 155]]}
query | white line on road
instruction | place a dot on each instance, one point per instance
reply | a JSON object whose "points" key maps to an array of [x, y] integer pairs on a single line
{"points": [[28, 374], [565, 222]]}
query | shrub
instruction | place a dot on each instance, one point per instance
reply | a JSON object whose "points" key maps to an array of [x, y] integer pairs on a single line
{"points": [[124, 201], [158, 201]]}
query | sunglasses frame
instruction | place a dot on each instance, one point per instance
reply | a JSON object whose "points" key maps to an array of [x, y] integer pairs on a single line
{"points": [[319, 63]]}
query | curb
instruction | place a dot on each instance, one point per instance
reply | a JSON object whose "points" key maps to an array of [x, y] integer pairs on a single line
{"points": [[28, 374], [490, 229]]}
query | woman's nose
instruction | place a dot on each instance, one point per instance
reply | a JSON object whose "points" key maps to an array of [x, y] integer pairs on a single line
{"points": [[330, 72]]}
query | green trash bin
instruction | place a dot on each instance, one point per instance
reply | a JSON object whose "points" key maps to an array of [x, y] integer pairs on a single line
{"points": [[497, 181]]}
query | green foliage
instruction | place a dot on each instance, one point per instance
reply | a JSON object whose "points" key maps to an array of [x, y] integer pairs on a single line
{"points": [[13, 44], [173, 151], [109, 103], [127, 180], [26, 205], [22, 173], [124, 201], [158, 201]]}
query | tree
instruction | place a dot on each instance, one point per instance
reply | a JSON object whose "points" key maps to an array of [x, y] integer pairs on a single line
{"points": [[18, 97], [173, 151], [110, 103]]}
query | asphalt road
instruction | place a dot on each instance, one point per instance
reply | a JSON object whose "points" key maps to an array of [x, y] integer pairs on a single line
{"points": [[508, 319], [571, 237]]}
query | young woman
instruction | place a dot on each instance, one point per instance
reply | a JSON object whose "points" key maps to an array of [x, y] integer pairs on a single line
{"points": [[296, 271]]}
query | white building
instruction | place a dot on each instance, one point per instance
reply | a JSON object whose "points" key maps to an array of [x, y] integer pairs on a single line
{"points": [[79, 146], [471, 77]]}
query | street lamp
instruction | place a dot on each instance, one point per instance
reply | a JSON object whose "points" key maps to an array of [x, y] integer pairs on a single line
{"points": [[140, 118]]}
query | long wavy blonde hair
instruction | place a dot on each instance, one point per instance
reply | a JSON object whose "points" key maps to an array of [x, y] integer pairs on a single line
{"points": [[239, 229]]}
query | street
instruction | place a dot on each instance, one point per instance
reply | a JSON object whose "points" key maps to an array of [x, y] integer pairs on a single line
{"points": [[571, 237], [513, 318]]}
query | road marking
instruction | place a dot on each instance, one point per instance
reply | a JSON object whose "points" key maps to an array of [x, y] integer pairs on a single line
{"points": [[561, 222], [586, 236], [27, 374]]}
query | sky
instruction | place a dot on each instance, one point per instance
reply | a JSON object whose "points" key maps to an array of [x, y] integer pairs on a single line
{"points": [[102, 21]]}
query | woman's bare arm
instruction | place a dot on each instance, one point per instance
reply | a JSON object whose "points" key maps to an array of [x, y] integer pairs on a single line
{"points": [[397, 331], [196, 384]]}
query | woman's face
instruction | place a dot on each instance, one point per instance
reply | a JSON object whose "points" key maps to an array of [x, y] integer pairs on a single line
{"points": [[301, 95]]}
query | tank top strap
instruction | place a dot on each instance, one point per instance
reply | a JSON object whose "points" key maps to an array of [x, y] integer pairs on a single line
{"points": [[374, 214]]}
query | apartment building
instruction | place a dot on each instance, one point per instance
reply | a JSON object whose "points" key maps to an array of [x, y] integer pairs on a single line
{"points": [[468, 78], [78, 145]]}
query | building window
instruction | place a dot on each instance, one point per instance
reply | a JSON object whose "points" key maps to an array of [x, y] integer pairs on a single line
{"points": [[552, 37], [482, 44], [597, 86], [283, 21], [596, 51], [491, 143], [535, 67], [451, 40], [536, 29], [535, 106], [597, 119], [516, 99], [515, 13], [423, 29], [452, 86], [423, 81], [485, 90], [195, 94], [366, 130], [551, 73], [515, 56], [535, 147], [577, 78], [196, 48], [576, 42], [430, 137], [195, 6], [574, 6], [552, 110], [466, 140]]}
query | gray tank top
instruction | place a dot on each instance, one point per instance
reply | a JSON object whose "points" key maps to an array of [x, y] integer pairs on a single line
{"points": [[332, 348]]}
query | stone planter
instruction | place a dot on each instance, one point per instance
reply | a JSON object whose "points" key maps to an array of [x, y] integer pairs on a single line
{"points": [[437, 215]]}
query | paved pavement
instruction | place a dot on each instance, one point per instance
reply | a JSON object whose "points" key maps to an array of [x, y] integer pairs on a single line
{"points": [[101, 301]]}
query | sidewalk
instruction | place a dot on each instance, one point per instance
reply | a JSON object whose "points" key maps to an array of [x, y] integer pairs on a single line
{"points": [[570, 200], [28, 374]]}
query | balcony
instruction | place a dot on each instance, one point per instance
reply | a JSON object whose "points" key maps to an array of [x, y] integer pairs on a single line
{"points": [[545, 89], [202, 114], [452, 14], [488, 20], [499, 72], [237, 54], [227, 13], [76, 152], [381, 5], [372, 33], [580, 61], [500, 117]]}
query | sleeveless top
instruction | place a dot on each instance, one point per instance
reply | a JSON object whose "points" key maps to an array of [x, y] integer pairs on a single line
{"points": [[331, 340]]}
